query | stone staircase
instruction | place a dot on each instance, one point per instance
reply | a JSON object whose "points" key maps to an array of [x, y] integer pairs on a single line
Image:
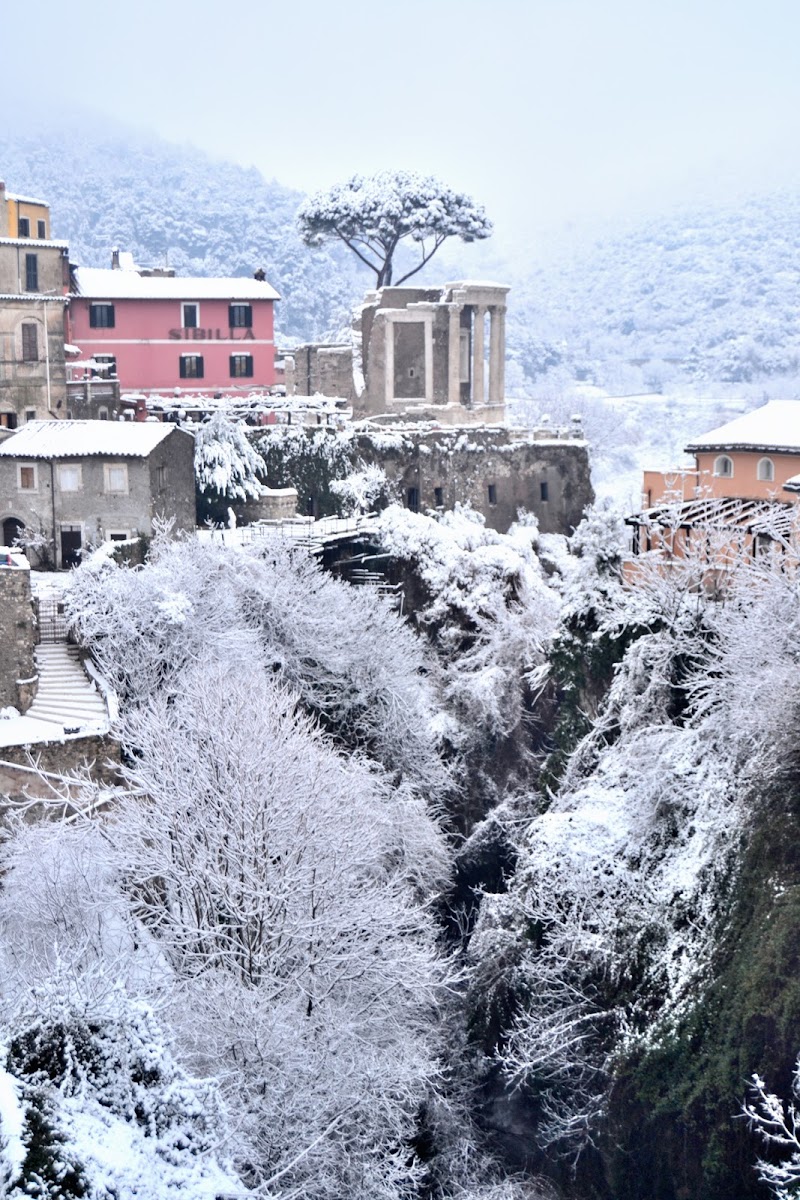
{"points": [[65, 696]]}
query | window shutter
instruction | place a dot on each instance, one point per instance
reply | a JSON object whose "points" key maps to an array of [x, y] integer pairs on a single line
{"points": [[30, 346], [182, 367], [232, 366], [199, 361], [31, 273]]}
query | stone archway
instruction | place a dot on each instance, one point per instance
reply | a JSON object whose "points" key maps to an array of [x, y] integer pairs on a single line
{"points": [[12, 528]]}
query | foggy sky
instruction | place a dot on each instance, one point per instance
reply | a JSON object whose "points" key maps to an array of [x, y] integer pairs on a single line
{"points": [[547, 111]]}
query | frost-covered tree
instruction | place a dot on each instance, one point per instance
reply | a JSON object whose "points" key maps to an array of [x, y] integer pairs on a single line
{"points": [[266, 893], [778, 1125], [92, 1103], [355, 665], [373, 215], [226, 466]]}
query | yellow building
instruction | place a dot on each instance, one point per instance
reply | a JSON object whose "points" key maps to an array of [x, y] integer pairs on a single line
{"points": [[23, 217]]}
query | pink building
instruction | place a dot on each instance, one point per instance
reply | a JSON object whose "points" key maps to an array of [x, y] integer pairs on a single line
{"points": [[162, 333]]}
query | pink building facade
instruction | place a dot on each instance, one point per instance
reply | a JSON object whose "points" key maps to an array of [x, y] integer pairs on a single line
{"points": [[164, 335]]}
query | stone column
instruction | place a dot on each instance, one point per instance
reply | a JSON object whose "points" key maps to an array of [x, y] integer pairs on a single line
{"points": [[388, 364], [478, 396], [454, 356], [497, 354], [429, 358]]}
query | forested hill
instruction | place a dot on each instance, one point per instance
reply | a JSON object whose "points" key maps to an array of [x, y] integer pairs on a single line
{"points": [[707, 296]]}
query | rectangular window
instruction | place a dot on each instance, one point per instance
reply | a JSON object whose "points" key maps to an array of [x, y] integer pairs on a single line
{"points": [[438, 497], [8, 420], [116, 477], [69, 477], [241, 366], [24, 229], [30, 414], [543, 491], [118, 535], [27, 480], [31, 273], [30, 343], [240, 316], [191, 366], [412, 499], [492, 490], [101, 316], [190, 316], [41, 230]]}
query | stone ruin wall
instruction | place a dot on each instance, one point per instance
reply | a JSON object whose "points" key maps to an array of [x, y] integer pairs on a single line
{"points": [[17, 669]]}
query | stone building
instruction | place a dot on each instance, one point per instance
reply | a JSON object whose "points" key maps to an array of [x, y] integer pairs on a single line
{"points": [[17, 670], [34, 276], [418, 352], [83, 482], [497, 471]]}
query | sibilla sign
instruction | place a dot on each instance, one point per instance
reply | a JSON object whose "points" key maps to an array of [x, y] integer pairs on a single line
{"points": [[213, 335]]}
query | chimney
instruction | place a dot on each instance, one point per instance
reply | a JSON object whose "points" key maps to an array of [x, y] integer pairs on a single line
{"points": [[115, 259]]}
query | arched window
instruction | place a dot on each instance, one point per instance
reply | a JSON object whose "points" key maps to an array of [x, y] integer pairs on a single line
{"points": [[765, 470], [723, 467]]}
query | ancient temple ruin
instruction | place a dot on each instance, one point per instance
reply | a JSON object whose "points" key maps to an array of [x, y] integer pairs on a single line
{"points": [[413, 350]]}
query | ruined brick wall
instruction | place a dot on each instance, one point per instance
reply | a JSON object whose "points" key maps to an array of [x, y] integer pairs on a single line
{"points": [[16, 638], [323, 369], [496, 471]]}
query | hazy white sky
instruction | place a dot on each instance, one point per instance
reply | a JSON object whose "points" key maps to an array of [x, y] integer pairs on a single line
{"points": [[545, 110]]}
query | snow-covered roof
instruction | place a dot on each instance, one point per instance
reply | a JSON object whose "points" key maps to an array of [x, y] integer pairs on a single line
{"points": [[774, 426], [103, 284], [34, 296], [26, 199], [27, 242], [75, 439]]}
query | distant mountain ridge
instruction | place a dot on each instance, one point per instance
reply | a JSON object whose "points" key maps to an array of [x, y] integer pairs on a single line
{"points": [[708, 295], [702, 297]]}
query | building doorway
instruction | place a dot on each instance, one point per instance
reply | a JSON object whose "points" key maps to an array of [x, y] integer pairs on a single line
{"points": [[70, 545]]}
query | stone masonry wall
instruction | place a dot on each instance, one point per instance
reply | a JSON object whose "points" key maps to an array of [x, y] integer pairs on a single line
{"points": [[496, 470], [16, 638]]}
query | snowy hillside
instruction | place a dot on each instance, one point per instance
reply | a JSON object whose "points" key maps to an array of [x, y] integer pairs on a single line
{"points": [[703, 299]]}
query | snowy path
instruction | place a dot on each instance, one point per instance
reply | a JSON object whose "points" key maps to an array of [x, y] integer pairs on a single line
{"points": [[66, 701]]}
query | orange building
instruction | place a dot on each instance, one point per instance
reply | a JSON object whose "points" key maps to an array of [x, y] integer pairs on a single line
{"points": [[744, 488]]}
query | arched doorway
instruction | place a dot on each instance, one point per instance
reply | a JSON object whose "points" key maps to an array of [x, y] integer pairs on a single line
{"points": [[12, 528]]}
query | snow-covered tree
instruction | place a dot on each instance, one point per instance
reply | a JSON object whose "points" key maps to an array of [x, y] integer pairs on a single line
{"points": [[92, 1104], [226, 466], [778, 1125], [373, 215], [266, 894], [356, 666]]}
